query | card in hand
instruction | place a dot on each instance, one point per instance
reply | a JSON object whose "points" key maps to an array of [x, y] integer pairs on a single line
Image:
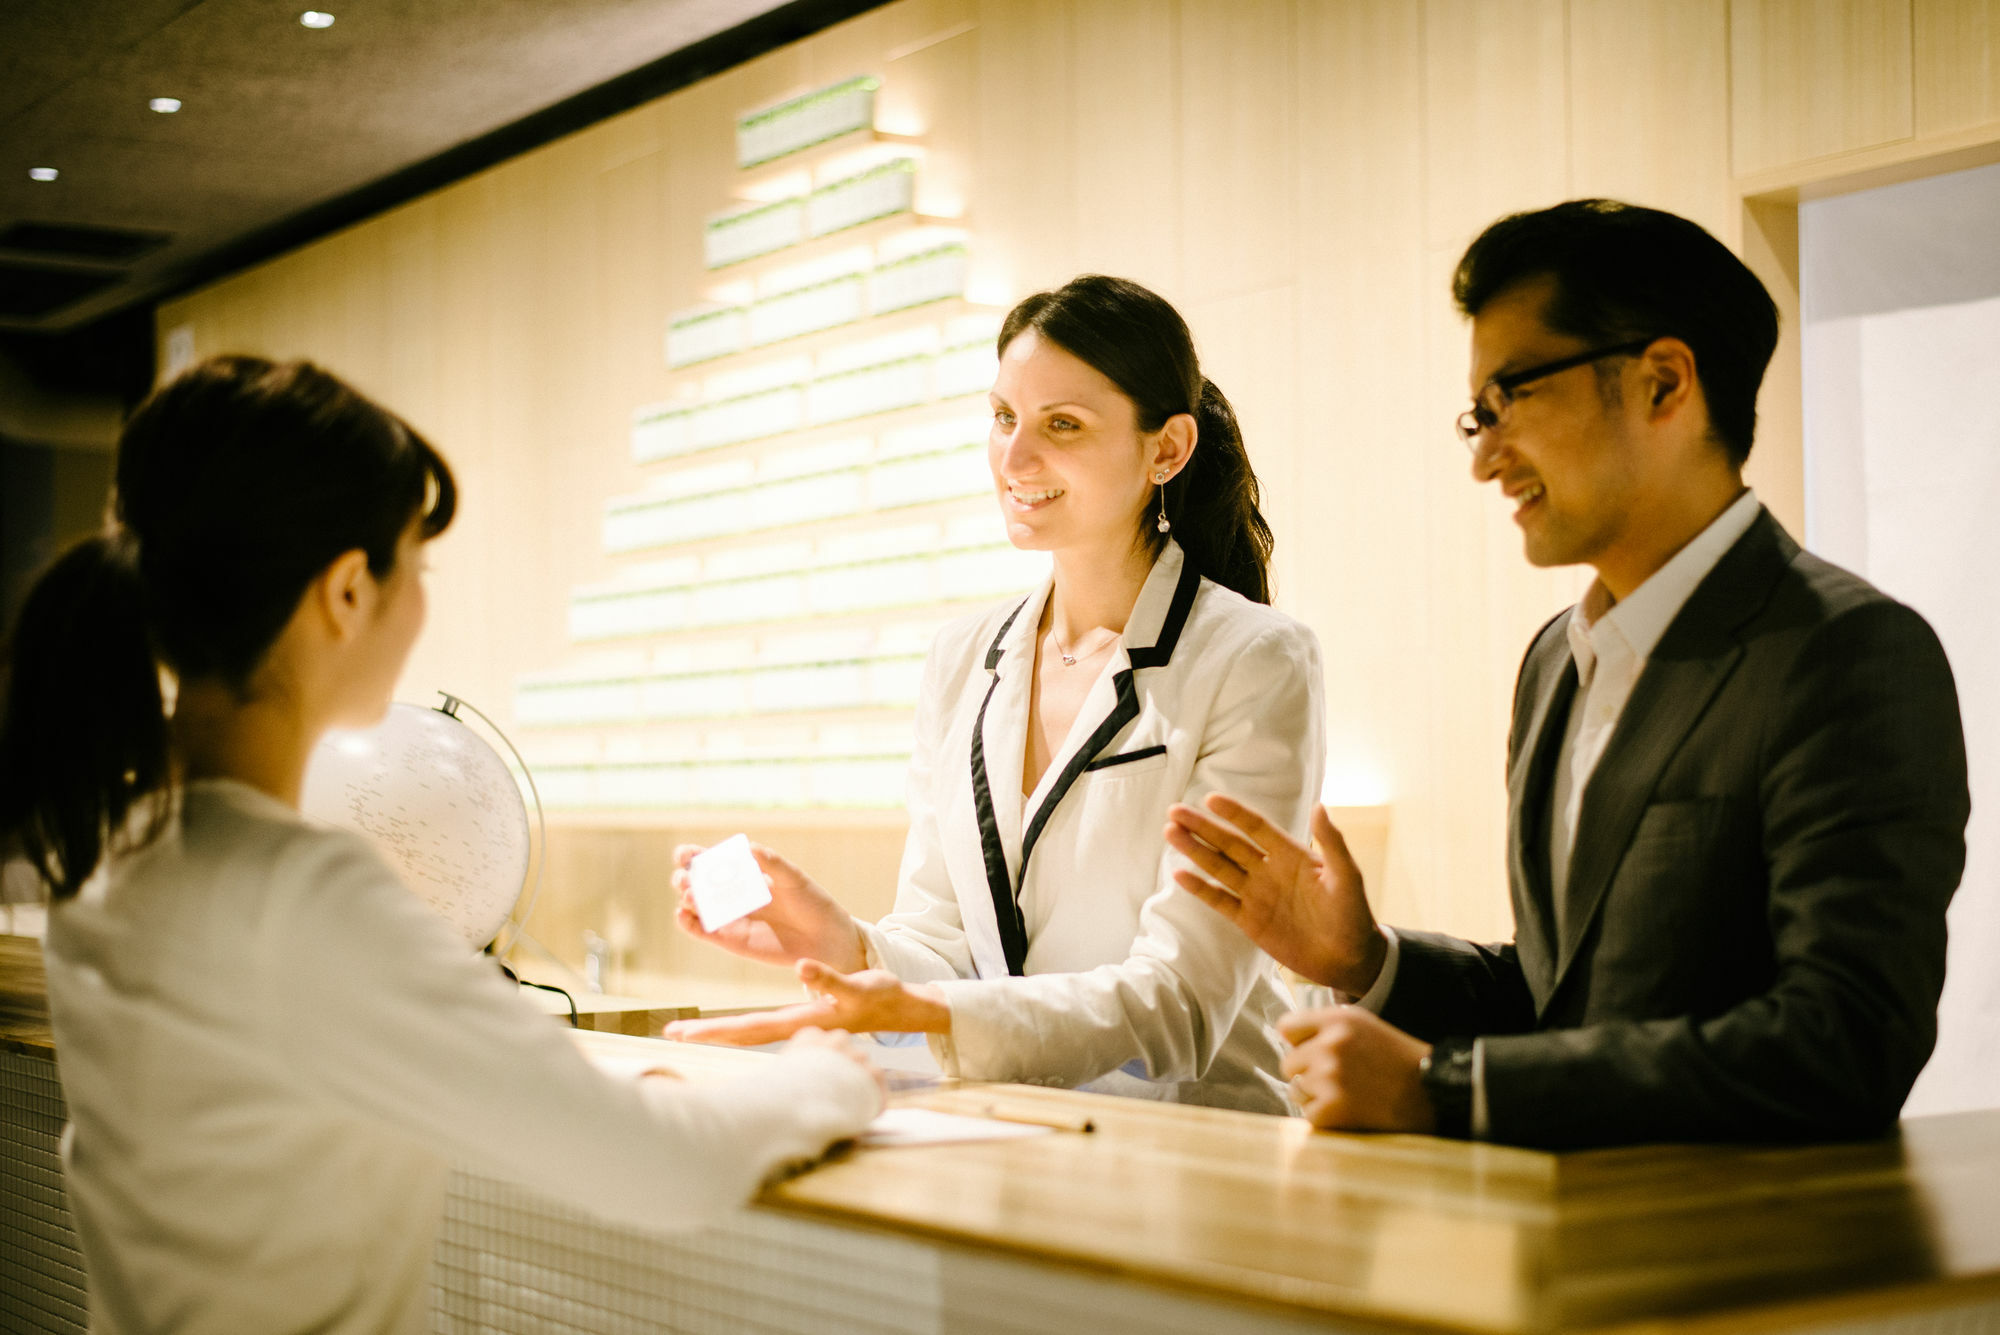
{"points": [[727, 883]]}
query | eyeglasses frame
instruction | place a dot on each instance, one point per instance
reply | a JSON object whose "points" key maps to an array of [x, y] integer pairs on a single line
{"points": [[1467, 423]]}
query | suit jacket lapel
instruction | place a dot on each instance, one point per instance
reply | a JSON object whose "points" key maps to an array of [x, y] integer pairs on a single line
{"points": [[1529, 782], [1690, 663]]}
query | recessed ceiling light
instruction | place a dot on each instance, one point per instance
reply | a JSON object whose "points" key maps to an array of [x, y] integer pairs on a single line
{"points": [[314, 18], [42, 173], [166, 106]]}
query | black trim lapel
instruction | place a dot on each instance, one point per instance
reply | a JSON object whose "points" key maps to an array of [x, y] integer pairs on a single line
{"points": [[1003, 888], [1006, 909]]}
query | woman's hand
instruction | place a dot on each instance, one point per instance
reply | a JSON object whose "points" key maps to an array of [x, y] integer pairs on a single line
{"points": [[802, 921], [867, 1002]]}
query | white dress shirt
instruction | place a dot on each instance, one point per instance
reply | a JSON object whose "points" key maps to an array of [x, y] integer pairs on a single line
{"points": [[272, 1052], [1611, 643]]}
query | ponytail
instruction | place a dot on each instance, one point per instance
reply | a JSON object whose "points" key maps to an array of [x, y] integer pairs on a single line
{"points": [[1138, 341], [84, 739], [1212, 504]]}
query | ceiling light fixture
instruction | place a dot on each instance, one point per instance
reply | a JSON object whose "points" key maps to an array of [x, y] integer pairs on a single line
{"points": [[314, 18], [166, 106], [42, 173]]}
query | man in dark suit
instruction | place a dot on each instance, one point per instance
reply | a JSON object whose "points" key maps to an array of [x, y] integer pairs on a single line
{"points": [[1736, 774]]}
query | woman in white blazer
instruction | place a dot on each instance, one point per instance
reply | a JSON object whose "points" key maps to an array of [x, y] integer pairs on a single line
{"points": [[1038, 935]]}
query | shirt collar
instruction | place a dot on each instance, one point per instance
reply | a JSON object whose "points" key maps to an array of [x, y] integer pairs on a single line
{"points": [[1642, 618]]}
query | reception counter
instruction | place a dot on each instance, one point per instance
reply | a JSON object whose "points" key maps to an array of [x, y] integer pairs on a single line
{"points": [[1167, 1218]]}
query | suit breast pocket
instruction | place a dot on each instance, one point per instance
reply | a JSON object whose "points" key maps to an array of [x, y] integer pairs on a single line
{"points": [[1682, 913], [1676, 828]]}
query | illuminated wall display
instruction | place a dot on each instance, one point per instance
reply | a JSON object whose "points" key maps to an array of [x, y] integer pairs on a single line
{"points": [[814, 498]]}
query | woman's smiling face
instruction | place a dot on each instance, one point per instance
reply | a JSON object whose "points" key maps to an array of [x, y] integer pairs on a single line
{"points": [[1068, 458]]}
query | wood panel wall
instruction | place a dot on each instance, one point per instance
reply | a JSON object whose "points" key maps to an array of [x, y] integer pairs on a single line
{"points": [[1298, 175]]}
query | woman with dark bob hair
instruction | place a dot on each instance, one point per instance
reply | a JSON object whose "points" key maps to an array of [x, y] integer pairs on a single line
{"points": [[1038, 934], [271, 1050]]}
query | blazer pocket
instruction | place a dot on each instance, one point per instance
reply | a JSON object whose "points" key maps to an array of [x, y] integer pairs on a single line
{"points": [[1670, 824], [1131, 762]]}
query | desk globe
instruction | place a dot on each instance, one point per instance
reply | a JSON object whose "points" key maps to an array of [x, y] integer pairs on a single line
{"points": [[440, 804]]}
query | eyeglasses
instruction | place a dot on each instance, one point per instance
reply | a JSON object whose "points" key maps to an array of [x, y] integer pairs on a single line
{"points": [[1489, 405]]}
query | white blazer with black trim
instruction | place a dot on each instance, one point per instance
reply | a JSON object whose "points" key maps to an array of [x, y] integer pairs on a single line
{"points": [[1052, 923]]}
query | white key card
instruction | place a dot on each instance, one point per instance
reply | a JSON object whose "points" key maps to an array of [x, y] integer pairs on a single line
{"points": [[727, 883]]}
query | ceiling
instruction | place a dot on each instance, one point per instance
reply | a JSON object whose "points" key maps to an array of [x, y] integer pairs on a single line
{"points": [[285, 132]]}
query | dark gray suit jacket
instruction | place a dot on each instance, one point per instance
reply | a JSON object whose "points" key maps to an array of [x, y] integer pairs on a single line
{"points": [[1755, 922]]}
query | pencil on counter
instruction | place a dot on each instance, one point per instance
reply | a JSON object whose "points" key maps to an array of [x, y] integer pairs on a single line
{"points": [[1054, 1121]]}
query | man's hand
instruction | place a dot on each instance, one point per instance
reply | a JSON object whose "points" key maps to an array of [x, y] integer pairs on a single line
{"points": [[1351, 1070], [870, 1001], [801, 922], [1306, 908]]}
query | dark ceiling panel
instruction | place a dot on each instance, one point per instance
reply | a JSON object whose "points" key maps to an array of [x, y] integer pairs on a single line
{"points": [[284, 131], [68, 241], [44, 44], [27, 292]]}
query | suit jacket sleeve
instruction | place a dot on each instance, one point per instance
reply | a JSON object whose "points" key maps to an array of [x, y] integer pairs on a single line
{"points": [[1445, 986], [1862, 800]]}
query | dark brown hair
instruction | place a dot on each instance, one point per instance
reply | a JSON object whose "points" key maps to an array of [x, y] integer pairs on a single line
{"points": [[1623, 272], [237, 484], [1138, 341]]}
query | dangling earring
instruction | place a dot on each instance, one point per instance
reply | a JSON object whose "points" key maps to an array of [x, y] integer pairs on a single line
{"points": [[1162, 525]]}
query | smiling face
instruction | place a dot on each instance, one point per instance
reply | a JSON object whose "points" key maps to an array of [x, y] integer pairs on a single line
{"points": [[1070, 464], [1564, 453]]}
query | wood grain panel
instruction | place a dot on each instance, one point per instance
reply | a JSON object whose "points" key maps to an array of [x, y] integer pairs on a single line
{"points": [[1810, 78], [1237, 194], [1128, 145], [1955, 64], [1366, 432], [1024, 99], [1649, 106], [1496, 122]]}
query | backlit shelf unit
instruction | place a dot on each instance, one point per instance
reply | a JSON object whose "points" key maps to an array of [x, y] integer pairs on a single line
{"points": [[814, 501]]}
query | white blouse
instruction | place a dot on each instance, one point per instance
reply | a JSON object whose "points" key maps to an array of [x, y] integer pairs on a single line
{"points": [[1052, 923], [272, 1051]]}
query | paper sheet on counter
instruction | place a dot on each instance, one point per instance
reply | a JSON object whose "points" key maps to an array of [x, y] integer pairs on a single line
{"points": [[903, 1127]]}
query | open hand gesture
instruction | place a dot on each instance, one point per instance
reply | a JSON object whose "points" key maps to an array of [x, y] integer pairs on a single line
{"points": [[874, 1000], [1305, 907]]}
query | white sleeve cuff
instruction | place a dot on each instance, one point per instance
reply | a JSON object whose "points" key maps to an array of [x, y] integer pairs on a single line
{"points": [[1377, 996]]}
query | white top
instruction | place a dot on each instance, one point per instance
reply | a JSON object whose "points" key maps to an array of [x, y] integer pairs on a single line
{"points": [[271, 1051], [1129, 985]]}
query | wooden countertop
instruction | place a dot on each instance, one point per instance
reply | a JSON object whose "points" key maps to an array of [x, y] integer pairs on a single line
{"points": [[24, 998], [1399, 1232]]}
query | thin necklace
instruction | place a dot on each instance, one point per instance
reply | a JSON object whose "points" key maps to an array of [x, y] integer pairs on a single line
{"points": [[1069, 659]]}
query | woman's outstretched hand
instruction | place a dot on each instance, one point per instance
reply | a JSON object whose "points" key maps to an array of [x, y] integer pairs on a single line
{"points": [[1305, 907], [802, 921], [871, 1001]]}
